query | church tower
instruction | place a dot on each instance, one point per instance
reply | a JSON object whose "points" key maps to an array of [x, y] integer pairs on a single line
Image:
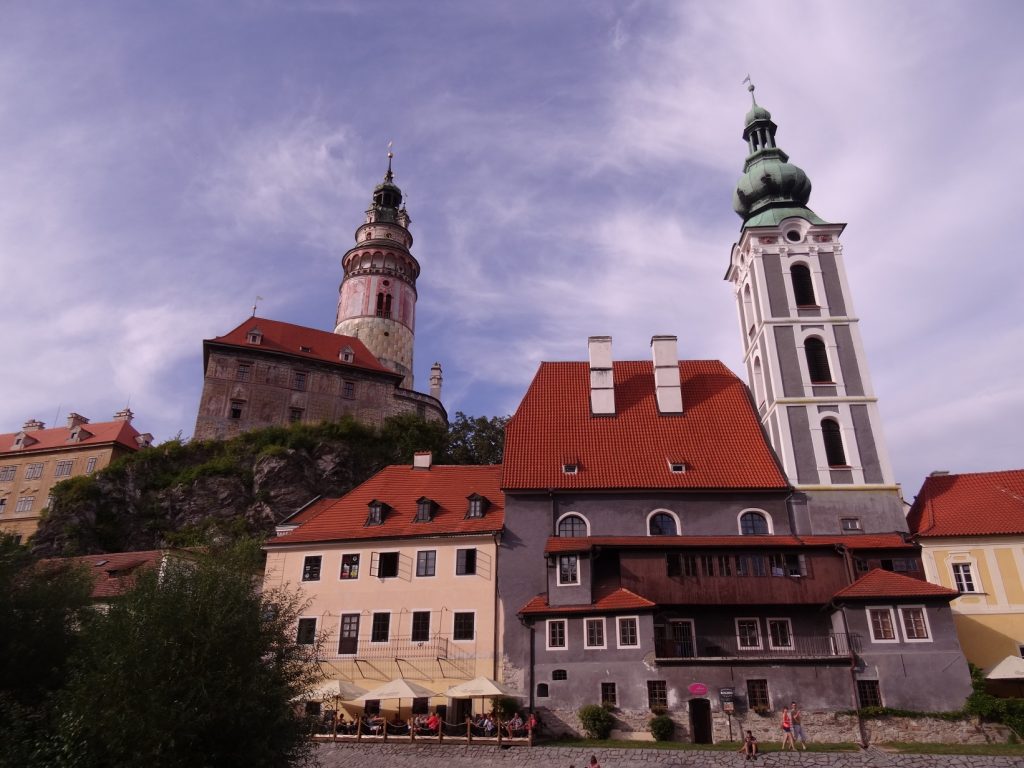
{"points": [[377, 297], [802, 348]]}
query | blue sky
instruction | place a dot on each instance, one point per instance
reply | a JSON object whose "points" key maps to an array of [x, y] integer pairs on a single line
{"points": [[569, 168]]}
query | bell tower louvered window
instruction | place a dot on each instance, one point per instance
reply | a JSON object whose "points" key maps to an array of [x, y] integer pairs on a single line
{"points": [[817, 361], [803, 286], [835, 454]]}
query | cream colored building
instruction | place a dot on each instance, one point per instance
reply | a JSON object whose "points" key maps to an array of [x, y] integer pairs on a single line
{"points": [[35, 459], [400, 575], [971, 531]]}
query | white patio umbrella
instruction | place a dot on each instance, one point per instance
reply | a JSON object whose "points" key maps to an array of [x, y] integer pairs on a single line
{"points": [[399, 688], [342, 690], [478, 687]]}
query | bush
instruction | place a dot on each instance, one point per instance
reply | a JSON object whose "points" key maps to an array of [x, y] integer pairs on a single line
{"points": [[597, 721], [505, 707], [661, 727]]}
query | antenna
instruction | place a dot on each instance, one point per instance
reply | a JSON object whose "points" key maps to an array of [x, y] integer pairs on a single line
{"points": [[56, 416], [258, 300]]}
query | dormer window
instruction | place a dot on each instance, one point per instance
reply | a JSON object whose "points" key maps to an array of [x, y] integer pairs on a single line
{"points": [[255, 336], [305, 349], [477, 506], [677, 467], [425, 509], [570, 468], [347, 355], [78, 434], [377, 511]]}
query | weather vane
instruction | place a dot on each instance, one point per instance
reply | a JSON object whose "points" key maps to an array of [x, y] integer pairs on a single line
{"points": [[750, 88], [258, 300]]}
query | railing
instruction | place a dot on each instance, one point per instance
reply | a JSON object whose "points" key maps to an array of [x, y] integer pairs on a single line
{"points": [[410, 730], [799, 647], [434, 648]]}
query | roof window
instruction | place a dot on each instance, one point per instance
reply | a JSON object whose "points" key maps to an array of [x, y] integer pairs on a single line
{"points": [[477, 506], [378, 509], [346, 355], [677, 467], [425, 509], [570, 468], [254, 336]]}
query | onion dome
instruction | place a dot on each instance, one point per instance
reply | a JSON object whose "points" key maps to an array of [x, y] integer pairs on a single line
{"points": [[387, 194], [771, 188]]}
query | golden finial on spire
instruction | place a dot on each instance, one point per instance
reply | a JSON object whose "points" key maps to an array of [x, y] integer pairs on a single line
{"points": [[750, 87]]}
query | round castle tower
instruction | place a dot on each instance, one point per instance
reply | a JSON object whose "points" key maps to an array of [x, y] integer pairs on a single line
{"points": [[377, 296]]}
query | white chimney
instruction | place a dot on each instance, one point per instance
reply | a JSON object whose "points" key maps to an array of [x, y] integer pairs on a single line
{"points": [[666, 374], [422, 460], [435, 381], [602, 382]]}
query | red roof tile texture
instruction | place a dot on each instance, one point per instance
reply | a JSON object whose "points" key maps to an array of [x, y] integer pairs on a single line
{"points": [[974, 504], [102, 433], [401, 487], [885, 584], [295, 340], [718, 436], [556, 544], [112, 574], [617, 601]]}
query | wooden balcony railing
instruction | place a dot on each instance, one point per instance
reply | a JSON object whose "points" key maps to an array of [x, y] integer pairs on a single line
{"points": [[800, 648]]}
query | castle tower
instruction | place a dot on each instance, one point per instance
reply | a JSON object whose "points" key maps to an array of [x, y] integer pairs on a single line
{"points": [[802, 348], [377, 296]]}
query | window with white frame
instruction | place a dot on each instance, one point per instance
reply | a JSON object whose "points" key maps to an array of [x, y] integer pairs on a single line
{"points": [[305, 633], [464, 627], [90, 465], [568, 570], [572, 526], [465, 562], [915, 624], [380, 629], [882, 625], [748, 634], [556, 634], [628, 631], [387, 565], [34, 471], [593, 633], [426, 562], [963, 577], [311, 568], [24, 504], [780, 634], [349, 567], [420, 626], [609, 696], [63, 468], [7, 473], [754, 524], [662, 524]]}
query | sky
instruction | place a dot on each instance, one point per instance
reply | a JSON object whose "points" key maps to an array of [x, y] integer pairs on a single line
{"points": [[568, 168]]}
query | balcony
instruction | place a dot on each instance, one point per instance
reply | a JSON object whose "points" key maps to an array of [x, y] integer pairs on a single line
{"points": [[837, 646]]}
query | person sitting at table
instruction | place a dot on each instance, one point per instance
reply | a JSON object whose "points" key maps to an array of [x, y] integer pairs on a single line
{"points": [[434, 722], [489, 727], [514, 725]]}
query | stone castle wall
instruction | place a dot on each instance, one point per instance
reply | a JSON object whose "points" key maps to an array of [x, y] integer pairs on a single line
{"points": [[390, 341]]}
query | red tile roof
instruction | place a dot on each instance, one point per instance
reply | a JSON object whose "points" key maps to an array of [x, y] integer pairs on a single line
{"points": [[102, 433], [885, 584], [112, 574], [718, 436], [619, 600], [556, 544], [400, 487], [288, 339], [308, 512], [974, 504]]}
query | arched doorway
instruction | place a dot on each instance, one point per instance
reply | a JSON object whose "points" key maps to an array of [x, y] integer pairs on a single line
{"points": [[700, 721]]}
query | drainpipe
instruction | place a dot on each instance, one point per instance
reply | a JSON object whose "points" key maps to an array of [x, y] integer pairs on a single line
{"points": [[853, 680], [533, 659]]}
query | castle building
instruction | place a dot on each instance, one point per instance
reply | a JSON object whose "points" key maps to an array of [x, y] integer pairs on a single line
{"points": [[35, 459], [266, 372]]}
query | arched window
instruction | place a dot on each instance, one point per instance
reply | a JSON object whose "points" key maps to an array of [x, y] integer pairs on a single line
{"points": [[817, 361], [803, 286], [835, 454], [662, 524], [748, 311], [572, 526], [380, 304], [387, 305], [758, 382], [542, 690], [753, 524]]}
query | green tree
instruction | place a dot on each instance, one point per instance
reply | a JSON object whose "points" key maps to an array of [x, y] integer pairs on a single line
{"points": [[194, 666], [476, 439]]}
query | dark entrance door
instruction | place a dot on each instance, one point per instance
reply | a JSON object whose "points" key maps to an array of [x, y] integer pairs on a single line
{"points": [[461, 709], [349, 641], [700, 721]]}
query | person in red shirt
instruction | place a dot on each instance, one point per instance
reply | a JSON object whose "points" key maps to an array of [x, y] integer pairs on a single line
{"points": [[433, 723]]}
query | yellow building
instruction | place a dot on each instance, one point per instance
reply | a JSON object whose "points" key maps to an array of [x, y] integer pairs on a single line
{"points": [[35, 459], [971, 531], [400, 578]]}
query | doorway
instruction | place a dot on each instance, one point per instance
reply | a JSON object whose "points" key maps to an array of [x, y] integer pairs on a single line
{"points": [[700, 721], [461, 709]]}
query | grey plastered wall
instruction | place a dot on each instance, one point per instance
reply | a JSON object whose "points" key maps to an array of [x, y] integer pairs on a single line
{"points": [[848, 360], [866, 444], [880, 511], [833, 286], [775, 282], [789, 364], [803, 448]]}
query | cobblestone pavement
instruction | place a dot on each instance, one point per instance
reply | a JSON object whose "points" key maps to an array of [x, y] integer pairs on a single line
{"points": [[482, 756]]}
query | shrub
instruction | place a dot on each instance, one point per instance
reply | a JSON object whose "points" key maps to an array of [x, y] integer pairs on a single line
{"points": [[661, 727], [505, 707], [597, 721]]}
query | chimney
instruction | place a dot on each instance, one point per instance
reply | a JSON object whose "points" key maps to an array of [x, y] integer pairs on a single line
{"points": [[125, 415], [422, 460], [435, 381], [938, 473], [602, 380], [32, 425], [74, 419], [666, 374]]}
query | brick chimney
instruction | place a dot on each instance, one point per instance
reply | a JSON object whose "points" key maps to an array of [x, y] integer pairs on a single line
{"points": [[124, 415], [32, 425], [422, 460], [435, 381], [666, 374], [602, 380], [74, 419]]}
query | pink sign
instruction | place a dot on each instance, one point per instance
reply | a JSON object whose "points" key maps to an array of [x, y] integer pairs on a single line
{"points": [[697, 689]]}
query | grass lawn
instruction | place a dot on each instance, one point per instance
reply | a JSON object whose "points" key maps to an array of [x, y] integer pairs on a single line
{"points": [[954, 749], [722, 746]]}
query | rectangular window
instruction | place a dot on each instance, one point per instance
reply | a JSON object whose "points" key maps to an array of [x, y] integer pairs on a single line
{"points": [[757, 695], [883, 629], [348, 390], [311, 568], [868, 694], [963, 577], [748, 634], [751, 565], [915, 623], [724, 563], [657, 693], [426, 562], [90, 465], [780, 634], [349, 567], [380, 630], [629, 637], [901, 565], [25, 504], [707, 565], [568, 570], [593, 630], [420, 626], [3, 505], [681, 565], [609, 697], [860, 565], [299, 382], [243, 372], [306, 634], [236, 409], [556, 634], [294, 415], [63, 468], [420, 706], [387, 565], [851, 525], [788, 565], [465, 562], [7, 473], [35, 471], [464, 627], [348, 642]]}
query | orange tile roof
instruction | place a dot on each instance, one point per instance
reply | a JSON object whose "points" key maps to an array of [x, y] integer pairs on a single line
{"points": [[718, 436], [288, 339], [101, 433], [619, 600], [556, 544], [308, 512], [972, 504], [885, 584], [400, 487], [112, 574]]}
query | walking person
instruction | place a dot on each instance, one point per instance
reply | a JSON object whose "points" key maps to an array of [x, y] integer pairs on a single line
{"points": [[798, 730], [787, 730]]}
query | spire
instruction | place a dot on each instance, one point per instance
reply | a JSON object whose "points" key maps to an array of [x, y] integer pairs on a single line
{"points": [[389, 177], [387, 197], [771, 187]]}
